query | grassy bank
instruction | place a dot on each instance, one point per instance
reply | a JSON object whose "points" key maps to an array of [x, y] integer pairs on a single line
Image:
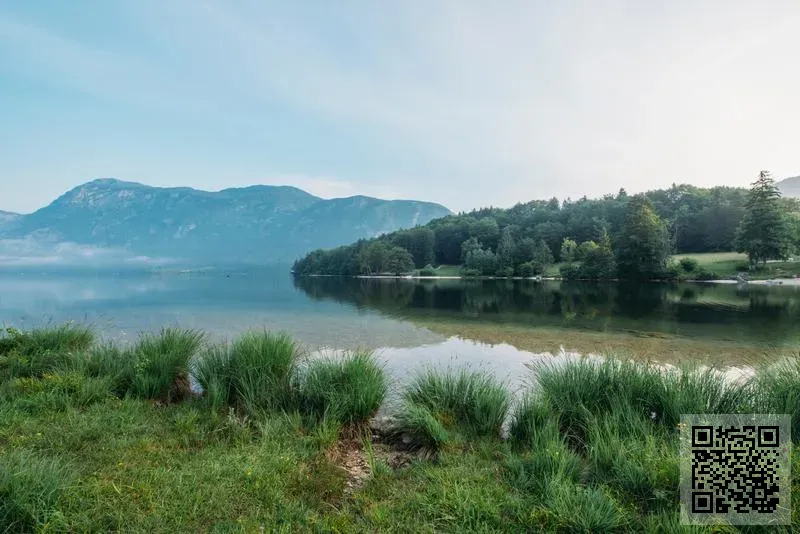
{"points": [[712, 265], [725, 265], [101, 438]]}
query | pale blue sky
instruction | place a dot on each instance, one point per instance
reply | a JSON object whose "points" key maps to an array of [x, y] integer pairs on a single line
{"points": [[466, 103]]}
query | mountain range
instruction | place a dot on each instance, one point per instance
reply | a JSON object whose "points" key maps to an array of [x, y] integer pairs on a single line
{"points": [[262, 224], [790, 187]]}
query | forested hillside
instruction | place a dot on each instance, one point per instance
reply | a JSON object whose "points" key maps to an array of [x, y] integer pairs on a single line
{"points": [[522, 239]]}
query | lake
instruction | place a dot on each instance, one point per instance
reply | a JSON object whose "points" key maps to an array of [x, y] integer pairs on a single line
{"points": [[497, 324]]}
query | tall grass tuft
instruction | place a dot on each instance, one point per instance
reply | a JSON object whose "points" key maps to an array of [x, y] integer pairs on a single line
{"points": [[534, 423], [254, 373], [552, 460], [162, 364], [691, 389], [35, 352], [212, 371], [776, 390], [418, 429], [350, 389], [475, 403], [108, 362], [635, 458], [30, 488], [586, 388], [261, 367]]}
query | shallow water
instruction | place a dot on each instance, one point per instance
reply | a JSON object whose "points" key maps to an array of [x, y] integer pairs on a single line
{"points": [[415, 323]]}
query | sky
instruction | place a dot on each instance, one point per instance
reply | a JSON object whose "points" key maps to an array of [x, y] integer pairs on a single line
{"points": [[467, 103]]}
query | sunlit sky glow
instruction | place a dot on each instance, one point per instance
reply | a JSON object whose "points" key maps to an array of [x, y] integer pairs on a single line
{"points": [[465, 102]]}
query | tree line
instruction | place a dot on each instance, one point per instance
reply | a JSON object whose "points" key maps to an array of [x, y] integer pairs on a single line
{"points": [[617, 236]]}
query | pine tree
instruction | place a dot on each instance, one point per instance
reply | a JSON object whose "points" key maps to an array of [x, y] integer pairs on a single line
{"points": [[643, 245], [764, 232], [505, 249]]}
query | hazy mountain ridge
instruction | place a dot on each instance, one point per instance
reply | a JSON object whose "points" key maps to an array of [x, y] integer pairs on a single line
{"points": [[252, 224], [790, 187]]}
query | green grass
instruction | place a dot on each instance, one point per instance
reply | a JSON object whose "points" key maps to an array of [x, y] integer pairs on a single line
{"points": [[729, 264], [474, 403], [448, 270], [592, 446], [348, 389], [35, 352], [724, 264], [31, 487], [254, 373], [161, 364]]}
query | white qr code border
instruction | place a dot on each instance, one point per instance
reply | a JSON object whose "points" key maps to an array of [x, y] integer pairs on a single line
{"points": [[696, 444]]}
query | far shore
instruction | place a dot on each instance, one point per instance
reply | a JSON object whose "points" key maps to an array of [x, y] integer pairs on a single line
{"points": [[772, 281]]}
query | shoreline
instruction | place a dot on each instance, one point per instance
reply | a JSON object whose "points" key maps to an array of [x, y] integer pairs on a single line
{"points": [[792, 282]]}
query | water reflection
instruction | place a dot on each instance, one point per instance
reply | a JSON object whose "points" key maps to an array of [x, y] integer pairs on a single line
{"points": [[414, 323], [762, 314]]}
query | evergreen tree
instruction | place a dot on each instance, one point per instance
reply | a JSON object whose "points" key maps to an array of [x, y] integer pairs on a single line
{"points": [[643, 245], [764, 232], [505, 249]]}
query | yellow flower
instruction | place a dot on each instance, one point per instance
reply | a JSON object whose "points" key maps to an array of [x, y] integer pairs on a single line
{"points": [[249, 472]]}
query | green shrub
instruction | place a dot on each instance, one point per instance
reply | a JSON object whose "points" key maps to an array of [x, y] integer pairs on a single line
{"points": [[689, 264], [672, 272], [527, 270], [473, 402], [349, 389], [742, 267], [428, 270], [470, 273], [30, 488], [162, 364], [570, 271], [705, 274], [507, 272], [35, 352]]}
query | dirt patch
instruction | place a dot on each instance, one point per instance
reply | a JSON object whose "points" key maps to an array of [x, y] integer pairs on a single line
{"points": [[349, 454]]}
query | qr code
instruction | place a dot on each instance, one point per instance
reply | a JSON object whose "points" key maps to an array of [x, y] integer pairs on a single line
{"points": [[735, 469]]}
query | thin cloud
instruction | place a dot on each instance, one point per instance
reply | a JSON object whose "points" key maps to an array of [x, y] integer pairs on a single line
{"points": [[505, 102]]}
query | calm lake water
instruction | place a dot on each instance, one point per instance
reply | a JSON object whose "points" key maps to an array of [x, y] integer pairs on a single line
{"points": [[496, 324]]}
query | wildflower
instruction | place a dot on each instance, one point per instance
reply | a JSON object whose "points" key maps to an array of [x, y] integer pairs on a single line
{"points": [[249, 472]]}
